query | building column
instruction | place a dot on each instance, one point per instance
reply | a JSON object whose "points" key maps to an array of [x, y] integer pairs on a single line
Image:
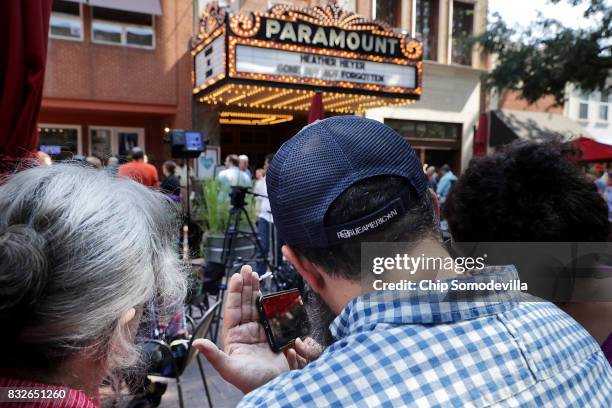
{"points": [[407, 16], [444, 30]]}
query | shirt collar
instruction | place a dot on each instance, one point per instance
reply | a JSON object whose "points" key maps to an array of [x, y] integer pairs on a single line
{"points": [[429, 306]]}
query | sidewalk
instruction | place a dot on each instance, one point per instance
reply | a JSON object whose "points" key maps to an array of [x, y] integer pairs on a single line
{"points": [[222, 393]]}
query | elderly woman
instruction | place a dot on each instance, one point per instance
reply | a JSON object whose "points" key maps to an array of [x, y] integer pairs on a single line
{"points": [[81, 254]]}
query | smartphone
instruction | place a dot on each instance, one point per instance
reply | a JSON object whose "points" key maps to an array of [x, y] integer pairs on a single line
{"points": [[283, 317]]}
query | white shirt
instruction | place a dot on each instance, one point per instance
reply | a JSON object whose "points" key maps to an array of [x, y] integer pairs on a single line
{"points": [[181, 172], [234, 177], [263, 204]]}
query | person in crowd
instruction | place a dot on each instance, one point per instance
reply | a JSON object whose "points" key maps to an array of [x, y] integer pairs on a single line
{"points": [[432, 178], [138, 170], [264, 218], [600, 181], [112, 165], [232, 176], [182, 170], [259, 174], [392, 348], [44, 159], [445, 184], [243, 163], [532, 192], [170, 184], [94, 162], [82, 253], [607, 195]]}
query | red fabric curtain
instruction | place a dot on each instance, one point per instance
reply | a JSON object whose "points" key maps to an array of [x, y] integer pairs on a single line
{"points": [[481, 135], [24, 31], [316, 108], [593, 151]]}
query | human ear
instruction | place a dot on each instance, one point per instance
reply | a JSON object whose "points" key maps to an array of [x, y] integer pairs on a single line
{"points": [[309, 271]]}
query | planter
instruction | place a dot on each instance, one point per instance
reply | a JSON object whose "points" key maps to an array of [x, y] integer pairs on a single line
{"points": [[243, 248]]}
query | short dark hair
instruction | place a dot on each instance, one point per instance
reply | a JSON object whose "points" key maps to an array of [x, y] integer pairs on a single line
{"points": [[137, 153], [233, 158], [445, 168], [526, 192], [359, 200], [269, 157], [170, 166]]}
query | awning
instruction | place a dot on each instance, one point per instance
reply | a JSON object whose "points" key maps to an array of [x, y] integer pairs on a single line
{"points": [[508, 125], [136, 6], [593, 150]]}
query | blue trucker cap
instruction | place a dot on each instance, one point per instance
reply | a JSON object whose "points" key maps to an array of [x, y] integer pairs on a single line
{"points": [[324, 159]]}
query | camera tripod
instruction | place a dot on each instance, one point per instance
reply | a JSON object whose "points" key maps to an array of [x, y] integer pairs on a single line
{"points": [[233, 232]]}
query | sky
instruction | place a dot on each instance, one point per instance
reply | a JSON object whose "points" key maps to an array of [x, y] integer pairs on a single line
{"points": [[523, 12]]}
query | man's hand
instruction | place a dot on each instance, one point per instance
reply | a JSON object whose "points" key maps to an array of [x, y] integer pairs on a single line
{"points": [[307, 350], [246, 361]]}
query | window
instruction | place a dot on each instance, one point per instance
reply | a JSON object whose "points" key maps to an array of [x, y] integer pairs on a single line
{"points": [[122, 28], [426, 27], [111, 141], [388, 11], [583, 106], [603, 112], [583, 112], [463, 28], [436, 131], [61, 142], [66, 22], [604, 106]]}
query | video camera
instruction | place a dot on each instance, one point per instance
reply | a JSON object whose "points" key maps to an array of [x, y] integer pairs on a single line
{"points": [[238, 196], [187, 144]]}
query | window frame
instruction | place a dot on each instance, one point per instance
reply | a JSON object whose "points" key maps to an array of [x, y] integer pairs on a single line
{"points": [[69, 17], [434, 21], [399, 9], [466, 4], [124, 27], [78, 129], [458, 128], [583, 99], [114, 132], [607, 104]]}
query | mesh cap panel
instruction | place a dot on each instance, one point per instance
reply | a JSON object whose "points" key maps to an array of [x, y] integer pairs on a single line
{"points": [[325, 158]]}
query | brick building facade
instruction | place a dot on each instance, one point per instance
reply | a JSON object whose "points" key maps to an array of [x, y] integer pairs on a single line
{"points": [[116, 78]]}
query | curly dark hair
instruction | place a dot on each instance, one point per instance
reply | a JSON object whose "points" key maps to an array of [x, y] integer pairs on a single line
{"points": [[527, 192]]}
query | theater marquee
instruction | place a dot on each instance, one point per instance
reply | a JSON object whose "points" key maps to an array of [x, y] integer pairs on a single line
{"points": [[302, 50]]}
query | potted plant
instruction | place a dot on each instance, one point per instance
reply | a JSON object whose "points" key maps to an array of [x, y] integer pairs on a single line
{"points": [[214, 211]]}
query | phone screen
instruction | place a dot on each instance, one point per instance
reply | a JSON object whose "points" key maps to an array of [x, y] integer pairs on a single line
{"points": [[284, 318]]}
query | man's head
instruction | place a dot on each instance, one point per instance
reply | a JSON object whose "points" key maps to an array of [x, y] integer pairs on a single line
{"points": [[340, 182], [528, 192], [138, 154], [267, 161], [112, 161], [231, 161], [169, 168], [243, 162], [444, 169]]}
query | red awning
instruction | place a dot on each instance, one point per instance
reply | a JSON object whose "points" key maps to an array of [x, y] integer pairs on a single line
{"points": [[481, 136], [316, 108], [593, 151]]}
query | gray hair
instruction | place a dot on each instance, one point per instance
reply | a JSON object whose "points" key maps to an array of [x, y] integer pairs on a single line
{"points": [[78, 249]]}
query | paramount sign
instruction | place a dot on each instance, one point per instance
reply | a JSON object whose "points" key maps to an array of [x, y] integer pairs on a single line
{"points": [[330, 37], [317, 48]]}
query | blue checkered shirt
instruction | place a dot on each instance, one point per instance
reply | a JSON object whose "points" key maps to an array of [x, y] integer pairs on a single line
{"points": [[508, 350]]}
